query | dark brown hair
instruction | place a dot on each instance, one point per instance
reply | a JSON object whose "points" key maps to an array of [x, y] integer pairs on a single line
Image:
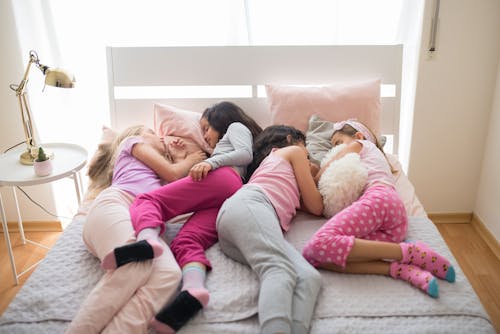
{"points": [[273, 136], [224, 113]]}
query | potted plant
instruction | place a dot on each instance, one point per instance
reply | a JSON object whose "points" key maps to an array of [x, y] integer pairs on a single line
{"points": [[42, 164]]}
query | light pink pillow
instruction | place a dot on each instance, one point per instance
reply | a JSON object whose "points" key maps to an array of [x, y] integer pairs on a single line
{"points": [[172, 121], [293, 105]]}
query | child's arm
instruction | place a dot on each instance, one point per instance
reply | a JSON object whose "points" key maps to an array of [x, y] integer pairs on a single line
{"points": [[240, 137], [165, 169], [353, 147], [311, 199]]}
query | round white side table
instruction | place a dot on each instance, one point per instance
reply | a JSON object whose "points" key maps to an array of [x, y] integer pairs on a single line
{"points": [[67, 161]]}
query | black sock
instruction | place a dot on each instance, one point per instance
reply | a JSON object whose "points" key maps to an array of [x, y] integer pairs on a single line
{"points": [[178, 313], [134, 252]]}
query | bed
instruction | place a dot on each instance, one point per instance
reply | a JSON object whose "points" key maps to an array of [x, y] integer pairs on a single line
{"points": [[141, 76]]}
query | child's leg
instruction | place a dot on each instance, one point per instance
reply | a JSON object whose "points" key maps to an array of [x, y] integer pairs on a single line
{"points": [[151, 210], [370, 250], [248, 222], [378, 214], [390, 215], [162, 285], [192, 298], [416, 276], [183, 196], [196, 236], [107, 226], [306, 291]]}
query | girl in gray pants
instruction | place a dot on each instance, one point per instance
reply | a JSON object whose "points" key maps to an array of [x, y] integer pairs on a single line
{"points": [[250, 226]]}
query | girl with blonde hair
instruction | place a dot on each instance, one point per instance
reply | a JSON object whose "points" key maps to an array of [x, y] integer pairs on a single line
{"points": [[136, 161]]}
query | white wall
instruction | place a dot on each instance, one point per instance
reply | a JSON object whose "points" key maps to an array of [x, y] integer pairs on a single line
{"points": [[453, 104], [487, 204], [12, 68], [454, 94]]}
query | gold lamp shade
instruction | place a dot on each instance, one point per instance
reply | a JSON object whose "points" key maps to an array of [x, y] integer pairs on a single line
{"points": [[59, 77]]}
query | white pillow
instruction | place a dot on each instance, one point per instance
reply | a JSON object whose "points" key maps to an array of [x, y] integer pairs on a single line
{"points": [[342, 182]]}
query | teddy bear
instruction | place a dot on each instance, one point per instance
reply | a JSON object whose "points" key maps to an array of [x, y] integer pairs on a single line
{"points": [[342, 182]]}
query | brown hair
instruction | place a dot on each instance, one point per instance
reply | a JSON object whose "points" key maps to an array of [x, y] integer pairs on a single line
{"points": [[351, 132], [273, 136], [222, 114]]}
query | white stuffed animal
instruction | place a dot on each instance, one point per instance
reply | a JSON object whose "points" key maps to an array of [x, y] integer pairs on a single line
{"points": [[342, 182]]}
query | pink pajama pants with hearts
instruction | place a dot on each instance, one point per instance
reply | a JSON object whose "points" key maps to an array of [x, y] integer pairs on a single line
{"points": [[379, 214]]}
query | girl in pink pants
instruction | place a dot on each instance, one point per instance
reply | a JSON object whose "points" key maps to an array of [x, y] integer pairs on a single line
{"points": [[125, 299], [230, 132], [367, 236]]}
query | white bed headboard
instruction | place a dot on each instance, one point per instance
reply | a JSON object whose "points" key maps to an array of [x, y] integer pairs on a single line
{"points": [[139, 76]]}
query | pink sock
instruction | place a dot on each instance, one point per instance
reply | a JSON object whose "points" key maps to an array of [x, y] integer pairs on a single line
{"points": [[416, 276], [426, 258]]}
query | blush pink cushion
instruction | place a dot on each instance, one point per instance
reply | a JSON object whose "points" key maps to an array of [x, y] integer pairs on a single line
{"points": [[173, 121], [293, 105]]}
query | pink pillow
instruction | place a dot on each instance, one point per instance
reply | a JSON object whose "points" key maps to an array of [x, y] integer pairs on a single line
{"points": [[294, 105], [172, 121]]}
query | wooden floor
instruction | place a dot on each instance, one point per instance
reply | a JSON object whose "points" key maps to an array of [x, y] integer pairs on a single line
{"points": [[25, 255], [477, 261]]}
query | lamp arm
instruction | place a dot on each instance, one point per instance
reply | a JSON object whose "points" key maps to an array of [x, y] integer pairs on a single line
{"points": [[19, 89], [23, 103]]}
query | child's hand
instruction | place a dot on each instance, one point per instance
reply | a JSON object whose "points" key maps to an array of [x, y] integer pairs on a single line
{"points": [[314, 168], [177, 142], [199, 171]]}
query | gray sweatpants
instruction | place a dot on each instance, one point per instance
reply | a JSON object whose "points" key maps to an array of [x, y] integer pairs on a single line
{"points": [[249, 232]]}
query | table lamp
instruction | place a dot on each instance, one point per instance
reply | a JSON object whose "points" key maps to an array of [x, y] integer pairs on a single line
{"points": [[53, 77]]}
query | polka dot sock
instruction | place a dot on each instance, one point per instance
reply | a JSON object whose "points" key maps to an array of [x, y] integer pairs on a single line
{"points": [[416, 276], [426, 258]]}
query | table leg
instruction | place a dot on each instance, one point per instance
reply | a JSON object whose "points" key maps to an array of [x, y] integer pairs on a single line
{"points": [[78, 186], [7, 241], [19, 219]]}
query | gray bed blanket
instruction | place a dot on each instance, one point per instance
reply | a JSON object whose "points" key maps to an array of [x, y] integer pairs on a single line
{"points": [[347, 303]]}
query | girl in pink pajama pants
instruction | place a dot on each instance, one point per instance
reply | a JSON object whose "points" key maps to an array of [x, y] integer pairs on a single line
{"points": [[367, 236], [230, 132]]}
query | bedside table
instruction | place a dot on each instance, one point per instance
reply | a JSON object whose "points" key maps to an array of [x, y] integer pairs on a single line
{"points": [[67, 161]]}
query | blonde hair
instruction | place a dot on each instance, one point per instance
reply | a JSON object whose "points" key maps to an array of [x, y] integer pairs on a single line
{"points": [[100, 169]]}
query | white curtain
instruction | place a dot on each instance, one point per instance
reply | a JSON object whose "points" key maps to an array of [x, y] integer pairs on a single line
{"points": [[74, 34]]}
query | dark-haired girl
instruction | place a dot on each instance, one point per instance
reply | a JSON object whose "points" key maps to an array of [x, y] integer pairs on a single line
{"points": [[230, 132], [251, 224]]}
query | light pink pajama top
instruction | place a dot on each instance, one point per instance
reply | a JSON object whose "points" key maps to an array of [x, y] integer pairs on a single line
{"points": [[276, 178]]}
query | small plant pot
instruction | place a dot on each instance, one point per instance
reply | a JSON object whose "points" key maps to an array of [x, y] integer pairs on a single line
{"points": [[42, 168]]}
